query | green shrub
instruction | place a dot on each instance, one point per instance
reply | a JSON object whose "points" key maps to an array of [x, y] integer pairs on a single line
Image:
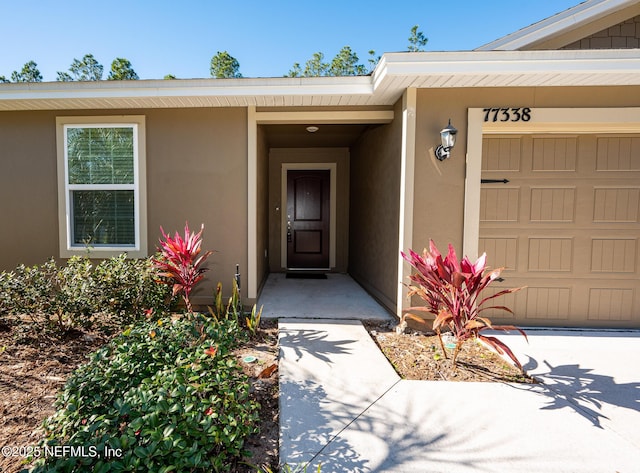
{"points": [[126, 287], [72, 294], [165, 395]]}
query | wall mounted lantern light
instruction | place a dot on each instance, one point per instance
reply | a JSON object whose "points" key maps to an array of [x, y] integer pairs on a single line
{"points": [[448, 137]]}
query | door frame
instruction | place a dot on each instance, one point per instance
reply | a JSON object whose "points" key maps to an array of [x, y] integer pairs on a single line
{"points": [[333, 169]]}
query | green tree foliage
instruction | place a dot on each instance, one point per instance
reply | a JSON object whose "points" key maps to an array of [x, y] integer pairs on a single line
{"points": [[86, 69], [345, 63], [417, 40], [29, 73], [121, 69], [225, 66], [373, 60], [3, 80], [314, 67], [169, 77]]}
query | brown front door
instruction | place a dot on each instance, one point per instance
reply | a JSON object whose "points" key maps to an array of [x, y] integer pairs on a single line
{"points": [[308, 199]]}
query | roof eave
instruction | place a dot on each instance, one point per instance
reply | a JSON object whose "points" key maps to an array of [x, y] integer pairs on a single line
{"points": [[394, 74], [556, 25]]}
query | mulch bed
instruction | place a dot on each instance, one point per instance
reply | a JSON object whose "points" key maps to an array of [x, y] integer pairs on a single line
{"points": [[417, 355]]}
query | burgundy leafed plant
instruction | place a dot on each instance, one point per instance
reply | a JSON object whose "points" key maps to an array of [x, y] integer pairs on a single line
{"points": [[452, 291], [180, 261]]}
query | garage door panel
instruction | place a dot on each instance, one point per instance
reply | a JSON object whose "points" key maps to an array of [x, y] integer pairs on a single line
{"points": [[618, 154], [550, 254], [500, 204], [614, 255], [615, 304], [566, 226], [547, 302], [552, 204], [557, 301], [503, 154], [554, 154], [616, 204], [504, 252]]}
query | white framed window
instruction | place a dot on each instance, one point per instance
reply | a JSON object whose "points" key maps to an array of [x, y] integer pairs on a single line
{"points": [[102, 185]]}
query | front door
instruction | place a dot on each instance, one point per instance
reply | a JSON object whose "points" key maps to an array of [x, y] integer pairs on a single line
{"points": [[308, 199]]}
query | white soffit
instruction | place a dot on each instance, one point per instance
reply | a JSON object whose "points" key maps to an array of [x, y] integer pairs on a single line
{"points": [[586, 12], [393, 75]]}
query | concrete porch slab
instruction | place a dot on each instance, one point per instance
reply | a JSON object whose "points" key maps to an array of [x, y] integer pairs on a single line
{"points": [[337, 297]]}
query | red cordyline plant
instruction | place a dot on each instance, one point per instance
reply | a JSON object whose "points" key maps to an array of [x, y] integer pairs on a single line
{"points": [[180, 261], [452, 291]]}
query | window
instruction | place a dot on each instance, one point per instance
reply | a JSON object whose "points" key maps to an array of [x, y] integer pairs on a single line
{"points": [[101, 185]]}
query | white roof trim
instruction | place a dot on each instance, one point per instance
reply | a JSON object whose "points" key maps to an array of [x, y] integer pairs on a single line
{"points": [[508, 69], [562, 22], [187, 88], [394, 74]]}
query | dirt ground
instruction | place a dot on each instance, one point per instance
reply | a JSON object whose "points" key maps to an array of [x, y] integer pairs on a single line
{"points": [[259, 361], [33, 367]]}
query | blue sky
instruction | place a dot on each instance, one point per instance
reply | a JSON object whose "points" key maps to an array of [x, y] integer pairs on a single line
{"points": [[267, 37]]}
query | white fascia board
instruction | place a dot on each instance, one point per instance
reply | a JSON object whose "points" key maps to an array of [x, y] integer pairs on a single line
{"points": [[246, 88], [509, 62], [562, 22]]}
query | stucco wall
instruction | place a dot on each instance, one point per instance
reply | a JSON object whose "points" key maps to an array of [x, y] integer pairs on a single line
{"points": [[277, 157], [439, 186], [375, 202], [262, 227], [28, 188], [196, 172]]}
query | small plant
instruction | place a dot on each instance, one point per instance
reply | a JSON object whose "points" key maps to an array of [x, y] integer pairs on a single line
{"points": [[181, 262], [452, 291], [289, 469], [253, 320], [233, 308]]}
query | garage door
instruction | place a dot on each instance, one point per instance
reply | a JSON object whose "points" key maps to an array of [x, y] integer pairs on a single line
{"points": [[566, 225]]}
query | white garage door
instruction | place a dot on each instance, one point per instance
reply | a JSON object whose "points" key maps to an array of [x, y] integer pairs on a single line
{"points": [[566, 225]]}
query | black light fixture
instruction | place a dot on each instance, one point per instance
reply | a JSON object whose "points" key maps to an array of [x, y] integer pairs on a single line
{"points": [[448, 138]]}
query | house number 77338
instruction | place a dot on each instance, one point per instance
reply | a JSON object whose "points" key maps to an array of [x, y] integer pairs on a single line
{"points": [[507, 114]]}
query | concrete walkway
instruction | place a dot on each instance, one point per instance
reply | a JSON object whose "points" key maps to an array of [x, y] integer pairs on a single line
{"points": [[343, 406]]}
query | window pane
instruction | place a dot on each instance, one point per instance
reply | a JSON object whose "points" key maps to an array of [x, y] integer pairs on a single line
{"points": [[103, 218], [100, 155]]}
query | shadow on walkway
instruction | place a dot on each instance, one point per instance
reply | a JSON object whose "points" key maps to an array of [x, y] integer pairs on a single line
{"points": [[584, 390]]}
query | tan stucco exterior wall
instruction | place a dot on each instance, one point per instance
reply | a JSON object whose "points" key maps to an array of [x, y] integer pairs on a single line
{"points": [[262, 191], [277, 157], [439, 186], [375, 203], [196, 172], [28, 188]]}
